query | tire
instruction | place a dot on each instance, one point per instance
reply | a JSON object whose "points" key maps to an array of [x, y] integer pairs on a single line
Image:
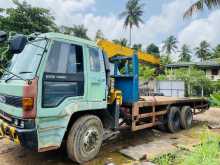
{"points": [[173, 122], [186, 117], [85, 139]]}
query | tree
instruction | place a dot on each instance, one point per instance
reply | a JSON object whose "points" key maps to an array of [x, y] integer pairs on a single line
{"points": [[80, 31], [165, 59], [122, 42], [169, 46], [137, 47], [200, 4], [133, 14], [153, 49], [185, 54], [196, 81], [216, 53], [66, 30], [27, 19], [99, 35], [203, 51]]}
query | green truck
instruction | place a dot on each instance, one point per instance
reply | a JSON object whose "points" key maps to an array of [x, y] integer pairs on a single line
{"points": [[60, 90]]}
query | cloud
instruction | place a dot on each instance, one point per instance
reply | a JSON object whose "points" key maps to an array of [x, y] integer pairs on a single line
{"points": [[169, 21], [202, 29]]}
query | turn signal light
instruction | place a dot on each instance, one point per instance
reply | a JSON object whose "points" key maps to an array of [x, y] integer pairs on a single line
{"points": [[27, 104]]}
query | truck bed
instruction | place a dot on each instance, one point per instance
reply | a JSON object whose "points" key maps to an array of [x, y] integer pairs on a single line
{"points": [[164, 100], [147, 111]]}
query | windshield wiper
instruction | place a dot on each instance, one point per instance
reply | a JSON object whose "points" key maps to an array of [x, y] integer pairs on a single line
{"points": [[13, 75]]}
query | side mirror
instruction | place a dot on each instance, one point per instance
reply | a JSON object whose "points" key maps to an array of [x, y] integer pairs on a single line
{"points": [[17, 43], [3, 36]]}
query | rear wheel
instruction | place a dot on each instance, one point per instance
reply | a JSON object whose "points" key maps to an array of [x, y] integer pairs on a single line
{"points": [[186, 117], [173, 122], [85, 139]]}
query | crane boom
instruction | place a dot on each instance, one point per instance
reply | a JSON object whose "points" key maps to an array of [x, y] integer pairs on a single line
{"points": [[113, 50]]}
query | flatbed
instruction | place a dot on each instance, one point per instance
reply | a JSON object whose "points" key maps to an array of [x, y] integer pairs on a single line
{"points": [[148, 111]]}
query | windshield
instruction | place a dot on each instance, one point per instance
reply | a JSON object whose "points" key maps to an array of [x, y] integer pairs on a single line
{"points": [[25, 64]]}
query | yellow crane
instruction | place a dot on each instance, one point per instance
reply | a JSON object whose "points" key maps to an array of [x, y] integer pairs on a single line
{"points": [[113, 50]]}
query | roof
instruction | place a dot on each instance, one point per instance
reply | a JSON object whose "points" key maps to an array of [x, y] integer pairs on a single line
{"points": [[53, 35], [214, 63]]}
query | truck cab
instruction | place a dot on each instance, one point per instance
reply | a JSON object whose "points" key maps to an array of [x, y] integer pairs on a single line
{"points": [[65, 76]]}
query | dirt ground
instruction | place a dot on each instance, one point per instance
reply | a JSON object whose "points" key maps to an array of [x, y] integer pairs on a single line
{"points": [[17, 155]]}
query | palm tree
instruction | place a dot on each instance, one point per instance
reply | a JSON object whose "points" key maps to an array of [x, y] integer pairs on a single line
{"points": [[133, 13], [99, 35], [137, 47], [185, 54], [122, 42], [216, 53], [203, 51], [170, 45], [200, 4], [80, 31]]}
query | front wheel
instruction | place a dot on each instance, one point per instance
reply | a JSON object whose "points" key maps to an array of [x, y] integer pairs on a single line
{"points": [[85, 139]]}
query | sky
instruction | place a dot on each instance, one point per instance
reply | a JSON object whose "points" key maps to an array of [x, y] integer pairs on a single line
{"points": [[162, 18]]}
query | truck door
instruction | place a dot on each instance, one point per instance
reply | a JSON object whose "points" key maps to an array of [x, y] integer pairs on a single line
{"points": [[96, 75]]}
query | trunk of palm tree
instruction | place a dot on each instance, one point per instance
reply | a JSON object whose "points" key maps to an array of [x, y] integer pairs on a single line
{"points": [[130, 37]]}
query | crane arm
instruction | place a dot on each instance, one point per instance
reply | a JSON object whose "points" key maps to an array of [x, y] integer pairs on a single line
{"points": [[113, 50]]}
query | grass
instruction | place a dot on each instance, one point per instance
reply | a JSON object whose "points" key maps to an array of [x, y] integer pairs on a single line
{"points": [[207, 153]]}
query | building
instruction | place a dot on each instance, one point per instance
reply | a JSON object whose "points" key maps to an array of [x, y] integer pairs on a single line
{"points": [[211, 67]]}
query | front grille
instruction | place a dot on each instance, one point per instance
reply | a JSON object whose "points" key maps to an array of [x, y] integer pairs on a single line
{"points": [[15, 101]]}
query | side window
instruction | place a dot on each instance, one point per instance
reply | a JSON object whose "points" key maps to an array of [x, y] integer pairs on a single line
{"points": [[94, 60], [65, 58], [63, 75]]}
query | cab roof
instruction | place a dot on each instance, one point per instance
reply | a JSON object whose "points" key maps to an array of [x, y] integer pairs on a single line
{"points": [[53, 35]]}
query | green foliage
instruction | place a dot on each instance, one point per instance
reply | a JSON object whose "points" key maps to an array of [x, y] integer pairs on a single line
{"points": [[137, 47], [165, 159], [196, 82], [153, 49], [122, 42], [203, 51], [215, 99], [145, 72], [99, 35], [185, 54], [200, 5], [205, 154], [80, 31], [216, 53], [165, 59], [77, 30], [27, 19]]}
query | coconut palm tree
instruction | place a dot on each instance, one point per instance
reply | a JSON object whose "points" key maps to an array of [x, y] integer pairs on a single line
{"points": [[122, 42], [185, 54], [133, 13], [170, 45], [200, 4], [203, 51], [80, 31]]}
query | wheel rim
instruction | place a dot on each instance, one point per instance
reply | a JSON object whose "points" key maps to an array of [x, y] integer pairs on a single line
{"points": [[90, 140]]}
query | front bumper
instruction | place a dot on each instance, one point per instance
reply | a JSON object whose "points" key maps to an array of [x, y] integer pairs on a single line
{"points": [[25, 137]]}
